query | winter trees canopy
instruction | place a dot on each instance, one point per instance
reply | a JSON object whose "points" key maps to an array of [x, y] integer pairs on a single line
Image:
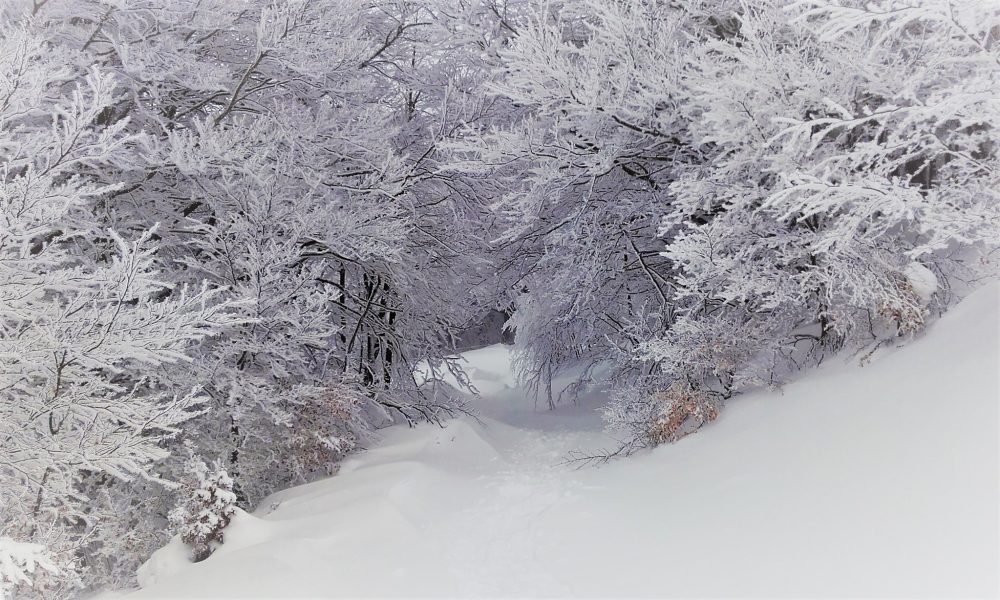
{"points": [[717, 192], [232, 230]]}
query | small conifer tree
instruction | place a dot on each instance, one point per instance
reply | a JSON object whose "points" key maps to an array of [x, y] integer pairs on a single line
{"points": [[206, 511]]}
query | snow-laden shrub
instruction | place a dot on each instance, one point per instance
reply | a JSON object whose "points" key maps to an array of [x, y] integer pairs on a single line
{"points": [[648, 420], [683, 409], [306, 429], [718, 351], [20, 565], [206, 511]]}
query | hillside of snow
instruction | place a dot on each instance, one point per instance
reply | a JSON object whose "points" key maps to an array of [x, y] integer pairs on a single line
{"points": [[879, 480]]}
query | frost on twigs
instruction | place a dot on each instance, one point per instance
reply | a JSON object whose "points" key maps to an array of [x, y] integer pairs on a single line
{"points": [[906, 310], [643, 419], [682, 410], [207, 510], [650, 419]]}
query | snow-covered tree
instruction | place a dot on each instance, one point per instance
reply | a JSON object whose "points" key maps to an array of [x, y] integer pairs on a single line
{"points": [[585, 150], [290, 153], [206, 511], [851, 158], [82, 333]]}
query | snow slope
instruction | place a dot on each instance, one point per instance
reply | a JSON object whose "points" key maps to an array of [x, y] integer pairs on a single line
{"points": [[876, 481]]}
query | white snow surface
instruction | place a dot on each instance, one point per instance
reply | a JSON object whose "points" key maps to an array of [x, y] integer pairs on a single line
{"points": [[879, 481]]}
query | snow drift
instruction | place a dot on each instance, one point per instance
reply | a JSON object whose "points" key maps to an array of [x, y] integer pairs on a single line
{"points": [[879, 480]]}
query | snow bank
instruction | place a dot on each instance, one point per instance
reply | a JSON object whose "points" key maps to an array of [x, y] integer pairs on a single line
{"points": [[877, 481], [174, 559]]}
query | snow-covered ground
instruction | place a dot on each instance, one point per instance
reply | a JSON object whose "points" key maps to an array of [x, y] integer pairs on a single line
{"points": [[877, 481]]}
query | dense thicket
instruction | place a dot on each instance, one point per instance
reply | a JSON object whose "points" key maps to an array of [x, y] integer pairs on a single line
{"points": [[713, 193], [232, 230]]}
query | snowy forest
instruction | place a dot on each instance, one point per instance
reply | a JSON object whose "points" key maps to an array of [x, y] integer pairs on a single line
{"points": [[241, 238]]}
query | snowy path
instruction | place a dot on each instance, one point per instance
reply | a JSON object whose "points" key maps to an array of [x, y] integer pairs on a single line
{"points": [[881, 481]]}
